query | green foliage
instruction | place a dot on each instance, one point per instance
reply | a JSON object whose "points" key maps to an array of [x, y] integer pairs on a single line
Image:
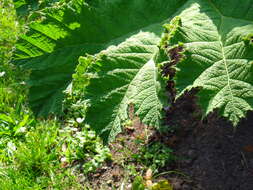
{"points": [[13, 179], [15, 117], [80, 77], [80, 142], [14, 114], [119, 85], [162, 185], [215, 49], [34, 163], [11, 127], [38, 153], [155, 156], [53, 45], [75, 106], [8, 30], [138, 183], [30, 149], [135, 46], [90, 54], [218, 55], [84, 146], [26, 7], [47, 155]]}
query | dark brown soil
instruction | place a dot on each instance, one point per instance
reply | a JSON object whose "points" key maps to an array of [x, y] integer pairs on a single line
{"points": [[218, 158], [213, 154]]}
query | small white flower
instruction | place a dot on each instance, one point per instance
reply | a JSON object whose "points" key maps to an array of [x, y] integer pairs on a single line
{"points": [[63, 159], [22, 129], [79, 120], [11, 146], [74, 129], [2, 74]]}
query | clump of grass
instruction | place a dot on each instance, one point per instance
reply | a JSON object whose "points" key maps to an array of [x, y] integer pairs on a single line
{"points": [[38, 154], [35, 162]]}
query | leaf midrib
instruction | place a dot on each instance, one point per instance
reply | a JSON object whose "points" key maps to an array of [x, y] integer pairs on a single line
{"points": [[114, 126], [222, 49]]}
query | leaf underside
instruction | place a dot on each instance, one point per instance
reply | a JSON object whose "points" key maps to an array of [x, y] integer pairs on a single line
{"points": [[61, 34], [128, 76], [55, 41], [124, 36], [217, 58]]}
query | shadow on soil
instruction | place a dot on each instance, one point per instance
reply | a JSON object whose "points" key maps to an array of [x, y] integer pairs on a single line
{"points": [[213, 154]]}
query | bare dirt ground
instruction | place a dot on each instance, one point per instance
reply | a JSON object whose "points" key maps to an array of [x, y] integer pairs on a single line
{"points": [[211, 153]]}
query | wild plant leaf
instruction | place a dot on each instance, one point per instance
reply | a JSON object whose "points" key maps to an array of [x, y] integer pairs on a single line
{"points": [[138, 183], [128, 76], [61, 34], [162, 185], [218, 55], [23, 6]]}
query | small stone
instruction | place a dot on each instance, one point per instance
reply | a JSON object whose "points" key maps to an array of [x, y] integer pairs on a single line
{"points": [[176, 185]]}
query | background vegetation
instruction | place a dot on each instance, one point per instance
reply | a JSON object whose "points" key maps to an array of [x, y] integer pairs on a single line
{"points": [[56, 153], [122, 69]]}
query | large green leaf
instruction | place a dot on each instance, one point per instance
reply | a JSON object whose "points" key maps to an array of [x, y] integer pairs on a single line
{"points": [[128, 76], [61, 34], [217, 38], [123, 36]]}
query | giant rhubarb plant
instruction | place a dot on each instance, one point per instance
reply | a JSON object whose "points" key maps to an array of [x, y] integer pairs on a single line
{"points": [[125, 38]]}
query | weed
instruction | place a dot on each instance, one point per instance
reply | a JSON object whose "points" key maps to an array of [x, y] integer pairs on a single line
{"points": [[35, 162], [83, 146], [155, 156], [38, 153]]}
